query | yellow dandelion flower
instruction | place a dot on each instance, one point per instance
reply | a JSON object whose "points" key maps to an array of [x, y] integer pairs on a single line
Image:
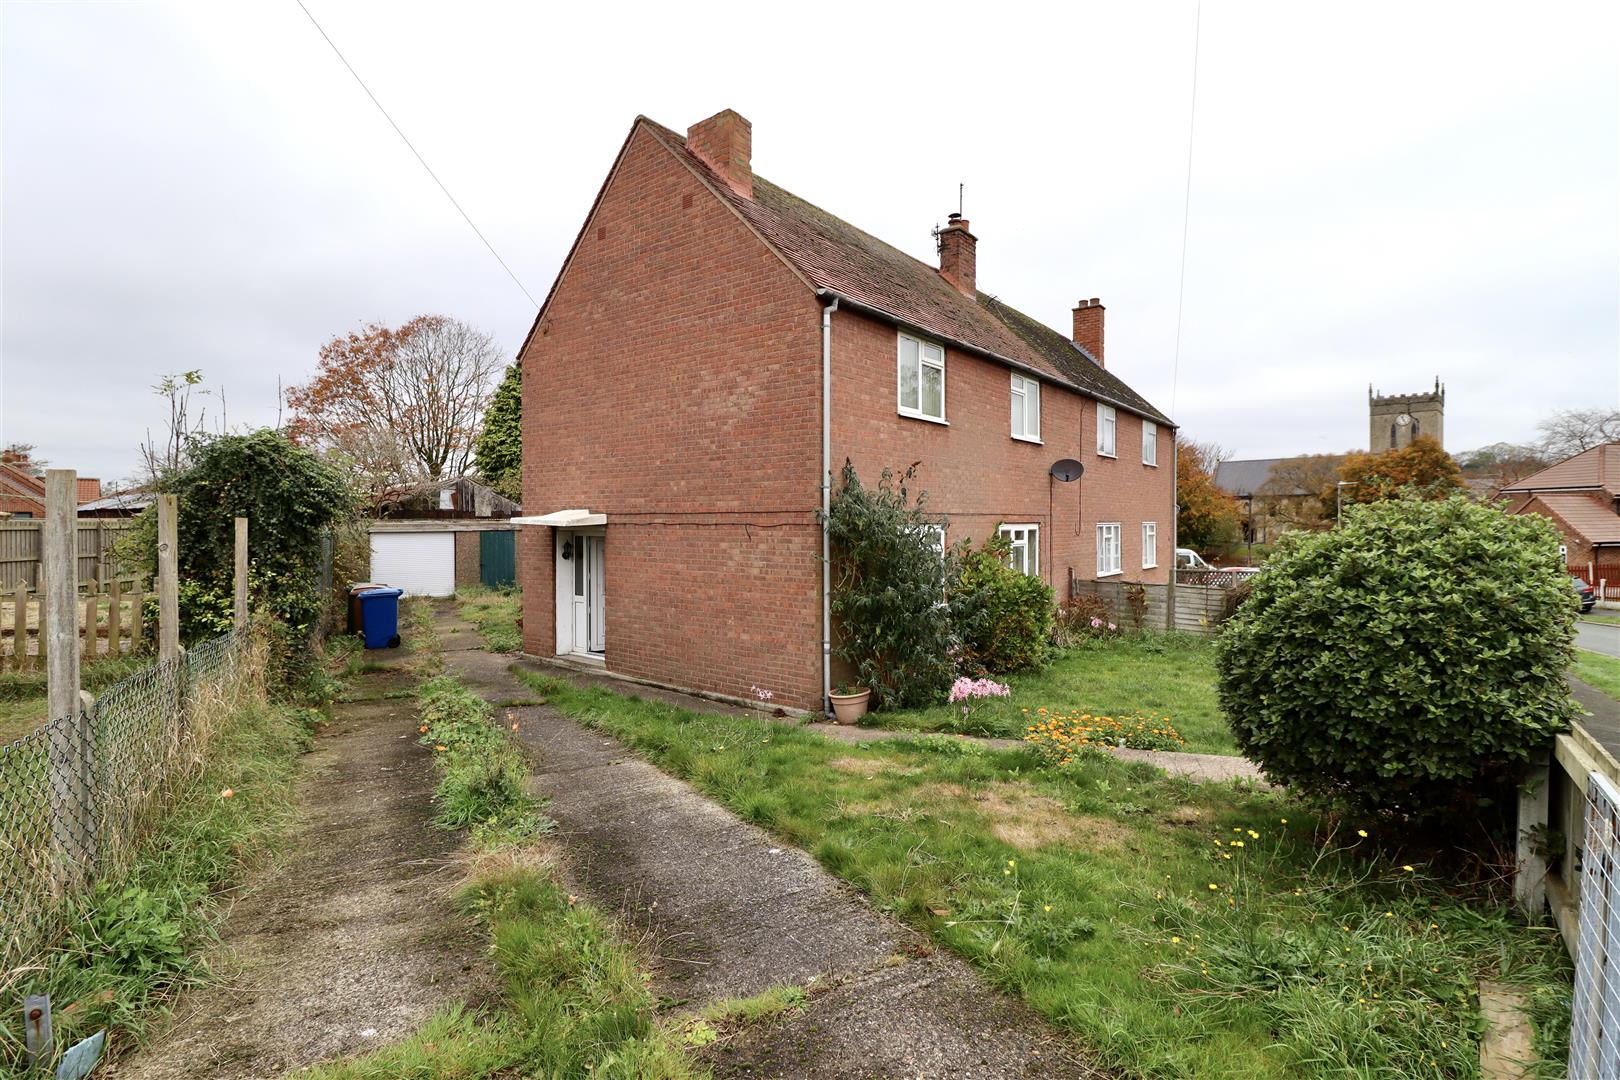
{"points": [[1361, 833]]}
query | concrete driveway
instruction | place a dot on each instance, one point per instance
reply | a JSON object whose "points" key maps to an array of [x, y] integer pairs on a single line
{"points": [[1598, 637]]}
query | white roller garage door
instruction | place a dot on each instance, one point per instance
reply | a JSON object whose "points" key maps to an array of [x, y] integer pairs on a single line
{"points": [[423, 564]]}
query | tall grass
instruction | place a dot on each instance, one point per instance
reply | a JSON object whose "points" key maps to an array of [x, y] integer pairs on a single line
{"points": [[135, 938]]}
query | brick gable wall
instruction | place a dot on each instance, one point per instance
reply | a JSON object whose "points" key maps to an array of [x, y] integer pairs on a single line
{"points": [[976, 474], [674, 385]]}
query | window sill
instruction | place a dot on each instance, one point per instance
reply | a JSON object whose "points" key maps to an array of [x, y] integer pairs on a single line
{"points": [[1150, 566], [923, 416], [1111, 573], [1151, 464], [1111, 457], [1026, 438]]}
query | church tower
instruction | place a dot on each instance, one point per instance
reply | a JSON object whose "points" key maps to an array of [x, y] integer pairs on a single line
{"points": [[1395, 420]]}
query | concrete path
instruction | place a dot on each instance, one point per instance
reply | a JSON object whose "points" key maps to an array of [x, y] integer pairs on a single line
{"points": [[1600, 638], [352, 940], [726, 910], [1216, 767]]}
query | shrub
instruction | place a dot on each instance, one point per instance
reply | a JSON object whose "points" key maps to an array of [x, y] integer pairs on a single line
{"points": [[1409, 663], [888, 591], [1081, 619], [1002, 617]]}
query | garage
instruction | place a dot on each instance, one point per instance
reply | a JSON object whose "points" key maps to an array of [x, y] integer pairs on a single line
{"points": [[421, 563]]}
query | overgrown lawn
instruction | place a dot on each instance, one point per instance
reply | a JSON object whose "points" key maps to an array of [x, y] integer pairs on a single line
{"points": [[1177, 929], [1170, 675], [495, 613], [1597, 671]]}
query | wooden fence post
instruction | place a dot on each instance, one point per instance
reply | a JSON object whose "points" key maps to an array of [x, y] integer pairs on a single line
{"points": [[241, 572], [72, 811], [19, 609], [137, 617], [168, 580], [115, 619]]}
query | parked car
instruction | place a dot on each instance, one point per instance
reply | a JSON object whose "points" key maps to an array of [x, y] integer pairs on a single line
{"points": [[1241, 572], [1587, 594], [1188, 559]]}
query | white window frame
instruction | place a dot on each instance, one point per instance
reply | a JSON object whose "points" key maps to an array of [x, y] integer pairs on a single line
{"points": [[1150, 443], [1026, 538], [936, 533], [923, 345], [1150, 545], [1028, 391], [1107, 422], [1108, 567]]}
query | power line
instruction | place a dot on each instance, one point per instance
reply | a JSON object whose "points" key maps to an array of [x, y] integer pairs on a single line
{"points": [[464, 215], [1186, 206]]}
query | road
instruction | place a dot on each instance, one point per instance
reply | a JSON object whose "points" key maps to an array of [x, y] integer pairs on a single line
{"points": [[1599, 637]]}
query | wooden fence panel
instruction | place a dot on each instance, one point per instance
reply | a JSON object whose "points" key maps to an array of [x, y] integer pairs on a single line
{"points": [[19, 550], [1198, 608]]}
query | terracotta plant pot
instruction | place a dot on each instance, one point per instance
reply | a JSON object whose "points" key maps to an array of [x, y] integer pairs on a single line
{"points": [[848, 708]]}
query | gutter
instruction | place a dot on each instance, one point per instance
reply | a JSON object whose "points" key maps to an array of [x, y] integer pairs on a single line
{"points": [[829, 306]]}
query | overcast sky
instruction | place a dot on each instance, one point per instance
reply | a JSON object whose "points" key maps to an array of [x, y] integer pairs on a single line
{"points": [[1380, 193]]}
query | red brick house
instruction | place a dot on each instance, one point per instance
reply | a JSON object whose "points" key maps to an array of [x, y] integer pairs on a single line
{"points": [[714, 348], [1580, 495]]}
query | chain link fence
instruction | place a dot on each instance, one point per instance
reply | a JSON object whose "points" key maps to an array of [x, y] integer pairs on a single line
{"points": [[76, 793]]}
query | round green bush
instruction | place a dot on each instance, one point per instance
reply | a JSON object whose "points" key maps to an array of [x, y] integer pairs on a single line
{"points": [[1002, 617], [1410, 663]]}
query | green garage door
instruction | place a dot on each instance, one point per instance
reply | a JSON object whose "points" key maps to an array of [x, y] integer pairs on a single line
{"points": [[497, 559]]}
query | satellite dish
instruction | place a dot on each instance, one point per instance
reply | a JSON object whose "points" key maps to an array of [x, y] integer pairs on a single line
{"points": [[1067, 470]]}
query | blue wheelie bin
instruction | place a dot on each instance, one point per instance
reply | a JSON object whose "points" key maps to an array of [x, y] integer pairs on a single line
{"points": [[379, 612]]}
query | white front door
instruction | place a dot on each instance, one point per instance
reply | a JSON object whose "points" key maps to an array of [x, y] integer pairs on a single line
{"points": [[585, 567]]}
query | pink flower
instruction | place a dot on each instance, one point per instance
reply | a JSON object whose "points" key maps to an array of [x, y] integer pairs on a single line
{"points": [[964, 688], [1111, 626], [1096, 623]]}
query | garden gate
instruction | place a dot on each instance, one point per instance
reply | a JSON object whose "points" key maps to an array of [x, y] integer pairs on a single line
{"points": [[1594, 1039]]}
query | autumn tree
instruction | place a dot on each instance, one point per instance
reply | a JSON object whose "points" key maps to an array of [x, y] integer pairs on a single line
{"points": [[499, 453], [1569, 431], [1205, 515], [1420, 468], [400, 406]]}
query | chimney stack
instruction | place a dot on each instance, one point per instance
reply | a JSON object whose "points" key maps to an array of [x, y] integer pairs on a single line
{"points": [[725, 141], [1088, 327], [958, 259]]}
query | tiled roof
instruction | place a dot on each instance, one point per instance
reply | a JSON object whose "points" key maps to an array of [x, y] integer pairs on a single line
{"points": [[1245, 477], [1596, 468], [834, 255], [1587, 515]]}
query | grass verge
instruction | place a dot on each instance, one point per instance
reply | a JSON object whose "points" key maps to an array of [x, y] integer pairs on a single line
{"points": [[134, 939], [22, 693], [1178, 929], [495, 613], [1169, 675], [1597, 671], [576, 1003], [1607, 618]]}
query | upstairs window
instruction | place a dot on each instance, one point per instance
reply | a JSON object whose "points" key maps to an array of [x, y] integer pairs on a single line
{"points": [[1150, 443], [1026, 409], [1025, 540], [922, 379], [1105, 430], [1108, 549]]}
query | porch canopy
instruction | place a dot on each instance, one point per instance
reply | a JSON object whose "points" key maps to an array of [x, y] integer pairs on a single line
{"points": [[564, 519]]}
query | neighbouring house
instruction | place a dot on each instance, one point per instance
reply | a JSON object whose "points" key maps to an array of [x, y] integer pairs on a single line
{"points": [[1278, 495], [22, 492], [1580, 495], [433, 540], [714, 349]]}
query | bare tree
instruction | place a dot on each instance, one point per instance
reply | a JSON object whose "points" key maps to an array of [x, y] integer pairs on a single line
{"points": [[158, 458], [402, 407], [1569, 431]]}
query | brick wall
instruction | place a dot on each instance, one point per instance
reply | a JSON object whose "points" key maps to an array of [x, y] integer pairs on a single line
{"points": [[674, 385], [976, 474]]}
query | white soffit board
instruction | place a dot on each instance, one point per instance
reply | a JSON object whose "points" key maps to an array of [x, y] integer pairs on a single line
{"points": [[564, 519]]}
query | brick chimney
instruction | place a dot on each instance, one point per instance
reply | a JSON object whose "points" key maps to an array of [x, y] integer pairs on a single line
{"points": [[1088, 327], [958, 258], [726, 142]]}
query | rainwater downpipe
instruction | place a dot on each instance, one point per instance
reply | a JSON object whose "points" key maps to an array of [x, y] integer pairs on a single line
{"points": [[827, 310]]}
